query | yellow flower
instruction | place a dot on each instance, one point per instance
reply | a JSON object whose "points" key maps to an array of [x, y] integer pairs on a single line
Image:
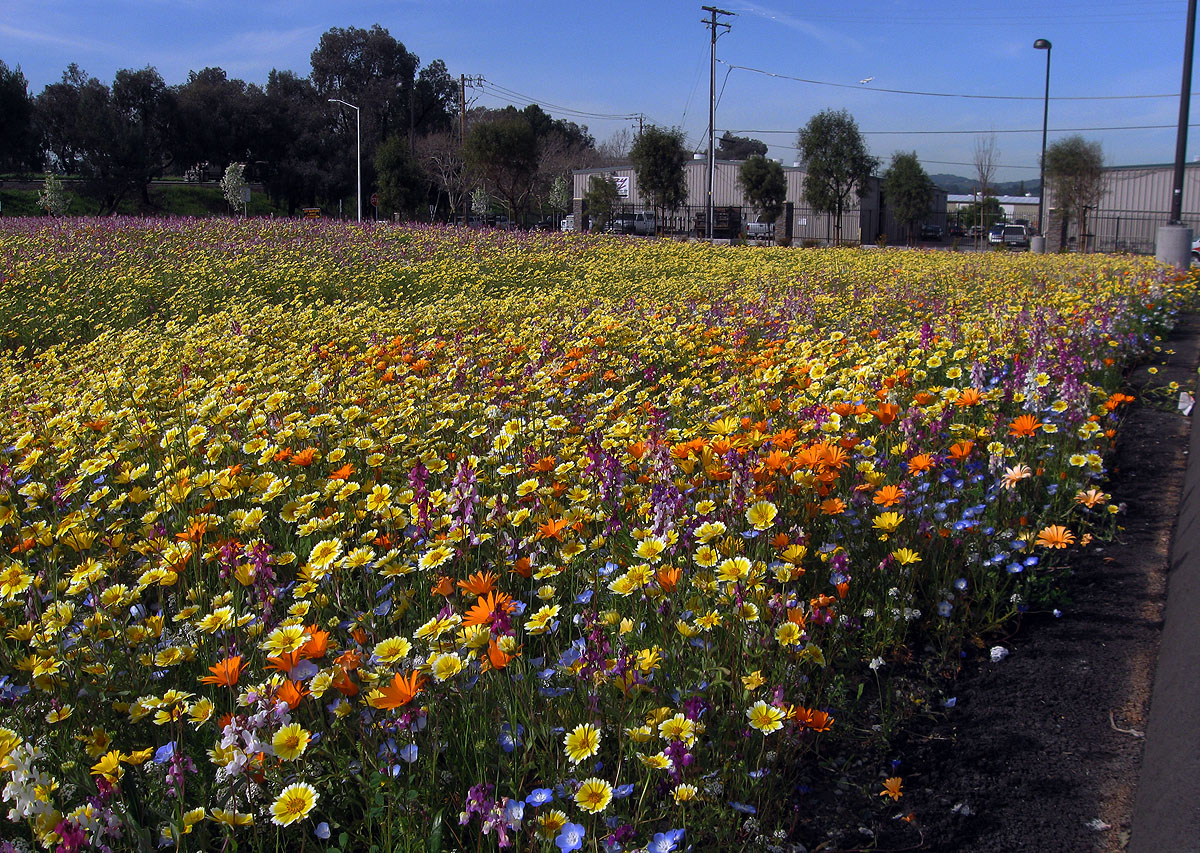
{"points": [[109, 766], [766, 718], [594, 795], [684, 793], [754, 680], [582, 742], [762, 515], [232, 819], [290, 742], [293, 803], [906, 556]]}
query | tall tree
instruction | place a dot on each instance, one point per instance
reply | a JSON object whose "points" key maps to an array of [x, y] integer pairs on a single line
{"points": [[502, 152], [442, 160], [730, 147], [296, 143], [19, 146], [764, 184], [402, 183], [221, 121], [907, 190], [659, 159], [837, 163], [601, 197], [1075, 176]]}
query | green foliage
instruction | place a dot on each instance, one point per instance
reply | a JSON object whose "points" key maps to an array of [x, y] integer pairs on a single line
{"points": [[908, 190], [19, 149], [601, 196], [837, 163], [234, 186], [401, 182], [730, 147], [503, 153], [658, 158], [53, 198], [765, 186], [986, 213], [1074, 174]]}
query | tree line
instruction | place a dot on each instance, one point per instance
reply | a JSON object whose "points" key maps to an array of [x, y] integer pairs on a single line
{"points": [[294, 137]]}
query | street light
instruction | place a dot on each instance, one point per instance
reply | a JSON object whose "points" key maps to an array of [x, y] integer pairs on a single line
{"points": [[1044, 44], [358, 135]]}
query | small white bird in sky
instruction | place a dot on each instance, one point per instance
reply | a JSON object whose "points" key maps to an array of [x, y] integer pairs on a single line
{"points": [[866, 80]]}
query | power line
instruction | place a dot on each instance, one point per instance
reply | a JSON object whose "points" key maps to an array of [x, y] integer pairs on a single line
{"points": [[502, 92], [990, 130], [860, 87]]}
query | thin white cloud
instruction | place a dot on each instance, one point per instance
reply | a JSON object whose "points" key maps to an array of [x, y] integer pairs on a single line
{"points": [[50, 38], [826, 37]]}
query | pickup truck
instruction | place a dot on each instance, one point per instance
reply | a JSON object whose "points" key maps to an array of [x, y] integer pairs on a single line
{"points": [[760, 229]]}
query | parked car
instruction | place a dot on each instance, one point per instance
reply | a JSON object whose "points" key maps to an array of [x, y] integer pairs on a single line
{"points": [[957, 231], [1196, 251], [975, 231], [641, 222], [760, 229], [1016, 236], [568, 223], [996, 235], [931, 232]]}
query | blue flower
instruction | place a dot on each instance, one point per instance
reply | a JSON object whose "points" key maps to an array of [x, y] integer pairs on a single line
{"points": [[510, 740], [163, 754], [665, 842], [744, 808], [622, 791], [409, 753], [539, 797], [322, 831], [570, 837]]}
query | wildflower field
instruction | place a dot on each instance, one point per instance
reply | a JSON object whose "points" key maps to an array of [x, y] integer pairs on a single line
{"points": [[337, 538]]}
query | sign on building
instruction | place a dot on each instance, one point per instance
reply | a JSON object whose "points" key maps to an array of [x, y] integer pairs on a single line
{"points": [[622, 182]]}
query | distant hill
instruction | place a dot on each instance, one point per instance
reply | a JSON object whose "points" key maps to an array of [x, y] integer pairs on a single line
{"points": [[959, 184]]}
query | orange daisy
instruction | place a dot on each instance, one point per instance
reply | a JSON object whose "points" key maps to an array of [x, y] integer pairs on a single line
{"points": [[485, 610], [1025, 425], [225, 673]]}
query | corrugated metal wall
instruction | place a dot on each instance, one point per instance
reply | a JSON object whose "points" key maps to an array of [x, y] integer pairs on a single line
{"points": [[862, 219]]}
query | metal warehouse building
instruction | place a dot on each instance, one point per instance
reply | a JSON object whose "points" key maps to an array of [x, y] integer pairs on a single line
{"points": [[1134, 202], [862, 221]]}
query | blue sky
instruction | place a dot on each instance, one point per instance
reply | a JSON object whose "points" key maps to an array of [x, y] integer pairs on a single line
{"points": [[617, 58]]}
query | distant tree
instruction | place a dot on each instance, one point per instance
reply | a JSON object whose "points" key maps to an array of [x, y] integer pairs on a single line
{"points": [[601, 197], [986, 154], [1075, 175], [435, 100], [985, 212], [908, 190], [220, 121], [402, 184], [764, 184], [442, 160], [730, 147], [296, 144], [53, 198], [659, 158], [116, 139], [560, 194], [615, 149], [234, 186], [20, 149], [837, 163], [503, 154]]}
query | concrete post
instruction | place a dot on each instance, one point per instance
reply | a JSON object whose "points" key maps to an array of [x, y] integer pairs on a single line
{"points": [[1037, 245], [1173, 245]]}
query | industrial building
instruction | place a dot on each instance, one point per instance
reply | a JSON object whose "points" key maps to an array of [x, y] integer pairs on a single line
{"points": [[1134, 202], [862, 222]]}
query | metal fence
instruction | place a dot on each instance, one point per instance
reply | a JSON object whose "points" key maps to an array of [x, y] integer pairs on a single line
{"points": [[1123, 231]]}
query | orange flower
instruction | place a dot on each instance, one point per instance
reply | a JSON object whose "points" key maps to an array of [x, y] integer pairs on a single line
{"points": [[1025, 425], [479, 583], [780, 541], [796, 615], [923, 398], [552, 529], [342, 473], [444, 586], [921, 463], [522, 567], [961, 449], [497, 658], [833, 506], [886, 413], [345, 685], [225, 673], [1055, 536], [544, 464], [637, 449], [889, 496], [819, 721], [284, 662], [349, 660], [968, 397], [891, 788], [305, 457], [317, 643], [291, 692], [668, 578], [485, 609], [283, 455], [195, 532]]}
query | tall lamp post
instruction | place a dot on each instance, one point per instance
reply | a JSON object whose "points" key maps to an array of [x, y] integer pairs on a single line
{"points": [[1043, 44], [358, 140]]}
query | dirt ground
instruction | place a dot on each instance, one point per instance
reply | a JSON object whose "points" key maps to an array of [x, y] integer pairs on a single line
{"points": [[1041, 750]]}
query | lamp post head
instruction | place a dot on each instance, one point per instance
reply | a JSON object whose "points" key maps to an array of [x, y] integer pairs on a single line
{"points": [[1042, 44]]}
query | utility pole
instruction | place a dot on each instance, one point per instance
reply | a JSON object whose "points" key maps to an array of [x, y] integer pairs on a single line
{"points": [[713, 25], [465, 80]]}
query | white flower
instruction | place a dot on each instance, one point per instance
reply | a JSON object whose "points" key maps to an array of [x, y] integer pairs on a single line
{"points": [[999, 653]]}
